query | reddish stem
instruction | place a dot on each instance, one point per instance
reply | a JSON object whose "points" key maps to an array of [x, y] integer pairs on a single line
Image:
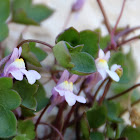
{"points": [[34, 40], [104, 15], [124, 92]]}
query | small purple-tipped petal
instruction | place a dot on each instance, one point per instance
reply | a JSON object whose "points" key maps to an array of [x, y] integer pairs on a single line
{"points": [[113, 75], [70, 98], [81, 99], [101, 53], [102, 73], [19, 51], [64, 77], [78, 5], [115, 67], [107, 56], [73, 78], [17, 74]]}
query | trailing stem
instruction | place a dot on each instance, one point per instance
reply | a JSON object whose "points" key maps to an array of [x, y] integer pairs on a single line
{"points": [[124, 92], [105, 91], [34, 40]]}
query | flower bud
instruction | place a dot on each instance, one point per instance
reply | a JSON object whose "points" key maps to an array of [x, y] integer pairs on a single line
{"points": [[78, 5]]}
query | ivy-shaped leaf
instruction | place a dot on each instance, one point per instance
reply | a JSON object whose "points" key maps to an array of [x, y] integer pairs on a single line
{"points": [[29, 56], [26, 13], [9, 100], [38, 52], [70, 35], [62, 54], [90, 40], [25, 130], [3, 31], [97, 116], [83, 63], [27, 93], [4, 10], [96, 136]]}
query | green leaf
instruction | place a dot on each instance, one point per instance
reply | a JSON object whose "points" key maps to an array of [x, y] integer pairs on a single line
{"points": [[26, 128], [83, 63], [104, 41], [96, 136], [131, 133], [7, 123], [29, 56], [27, 113], [9, 99], [40, 96], [70, 35], [39, 12], [39, 53], [62, 54], [3, 31], [109, 131], [77, 48], [27, 93], [97, 116], [20, 137], [90, 40], [85, 127], [26, 13], [4, 10], [113, 110]]}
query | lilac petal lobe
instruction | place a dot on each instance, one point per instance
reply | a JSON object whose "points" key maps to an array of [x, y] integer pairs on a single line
{"points": [[17, 74], [107, 56], [81, 99], [19, 51], [73, 78], [70, 98], [61, 92], [64, 77], [101, 53], [35, 73], [30, 77]]}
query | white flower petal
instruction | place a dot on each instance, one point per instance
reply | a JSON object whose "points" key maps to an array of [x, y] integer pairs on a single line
{"points": [[81, 99], [30, 77], [107, 56], [101, 53], [115, 67], [70, 98], [59, 90], [102, 73], [113, 75], [19, 51], [35, 73], [17, 74]]}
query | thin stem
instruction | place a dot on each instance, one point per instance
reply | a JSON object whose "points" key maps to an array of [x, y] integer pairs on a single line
{"points": [[105, 91], [104, 15], [67, 20], [119, 16], [54, 128], [124, 92], [34, 40], [39, 118], [133, 104], [129, 40], [68, 118], [96, 93]]}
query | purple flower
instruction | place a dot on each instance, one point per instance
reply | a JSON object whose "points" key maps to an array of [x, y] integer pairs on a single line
{"points": [[78, 5], [15, 68], [64, 90], [103, 68]]}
